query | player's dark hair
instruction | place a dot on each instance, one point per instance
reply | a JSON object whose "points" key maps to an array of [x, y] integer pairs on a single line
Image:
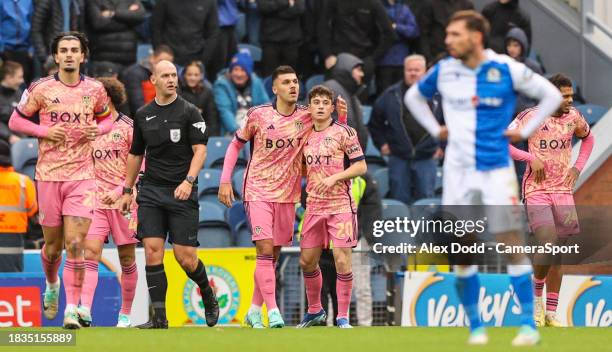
{"points": [[9, 68], [474, 21], [560, 80], [320, 91], [282, 70], [163, 49], [114, 89], [73, 35]]}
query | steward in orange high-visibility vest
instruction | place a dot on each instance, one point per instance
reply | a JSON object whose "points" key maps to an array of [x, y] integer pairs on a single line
{"points": [[17, 204]]}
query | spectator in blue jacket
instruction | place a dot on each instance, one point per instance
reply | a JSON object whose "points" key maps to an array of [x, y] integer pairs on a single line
{"points": [[236, 90], [15, 26], [226, 45], [412, 151], [391, 65]]}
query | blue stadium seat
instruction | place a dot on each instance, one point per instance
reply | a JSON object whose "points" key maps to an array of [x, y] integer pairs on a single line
{"points": [[381, 177], [439, 179], [243, 235], [211, 212], [367, 112], [215, 151], [143, 51], [373, 157], [313, 81], [430, 202], [29, 170], [591, 112], [214, 236], [208, 184], [371, 149], [241, 29], [392, 208], [254, 50], [238, 182], [267, 82], [235, 215], [25, 151], [245, 152]]}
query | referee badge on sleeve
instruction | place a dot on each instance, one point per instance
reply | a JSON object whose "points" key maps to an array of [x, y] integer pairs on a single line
{"points": [[175, 135], [201, 126]]}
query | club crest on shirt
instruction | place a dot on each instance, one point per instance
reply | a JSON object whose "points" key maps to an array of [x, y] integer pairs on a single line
{"points": [[493, 75], [328, 141], [175, 135], [116, 137], [86, 100], [299, 125]]}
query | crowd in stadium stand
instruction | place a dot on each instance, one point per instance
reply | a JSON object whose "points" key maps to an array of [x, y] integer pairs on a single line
{"points": [[225, 51]]}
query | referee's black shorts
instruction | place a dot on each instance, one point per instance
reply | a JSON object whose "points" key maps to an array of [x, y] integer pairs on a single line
{"points": [[161, 215]]}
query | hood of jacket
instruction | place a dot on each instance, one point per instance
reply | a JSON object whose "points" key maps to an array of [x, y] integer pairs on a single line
{"points": [[520, 36], [342, 72]]}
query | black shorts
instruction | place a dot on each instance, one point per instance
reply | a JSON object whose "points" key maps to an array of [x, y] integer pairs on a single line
{"points": [[161, 215]]}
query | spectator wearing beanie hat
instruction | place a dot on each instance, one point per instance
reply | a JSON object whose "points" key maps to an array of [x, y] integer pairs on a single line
{"points": [[236, 90]]}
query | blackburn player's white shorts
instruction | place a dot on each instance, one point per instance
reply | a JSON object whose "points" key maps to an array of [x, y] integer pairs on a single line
{"points": [[496, 190]]}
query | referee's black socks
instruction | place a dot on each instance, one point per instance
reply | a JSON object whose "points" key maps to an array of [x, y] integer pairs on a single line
{"points": [[158, 285], [199, 277]]}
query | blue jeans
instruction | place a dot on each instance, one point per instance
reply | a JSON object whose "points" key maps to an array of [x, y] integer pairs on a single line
{"points": [[411, 180]]}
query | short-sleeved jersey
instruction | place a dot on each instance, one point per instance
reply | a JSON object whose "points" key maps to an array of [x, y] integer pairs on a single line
{"points": [[552, 144], [110, 158], [326, 153], [168, 133], [478, 105], [275, 169], [73, 108]]}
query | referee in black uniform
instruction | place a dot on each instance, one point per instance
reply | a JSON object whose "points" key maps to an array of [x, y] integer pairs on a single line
{"points": [[174, 136]]}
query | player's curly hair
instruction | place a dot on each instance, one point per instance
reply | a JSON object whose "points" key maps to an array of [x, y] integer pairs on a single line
{"points": [[81, 37], [560, 80], [114, 89], [320, 91]]}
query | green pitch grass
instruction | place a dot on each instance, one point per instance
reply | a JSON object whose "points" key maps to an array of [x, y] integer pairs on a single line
{"points": [[319, 339]]}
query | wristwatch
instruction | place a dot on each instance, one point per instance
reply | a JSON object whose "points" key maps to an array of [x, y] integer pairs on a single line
{"points": [[127, 190], [190, 179]]}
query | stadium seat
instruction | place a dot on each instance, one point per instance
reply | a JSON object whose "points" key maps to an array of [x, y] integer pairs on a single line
{"points": [[235, 215], [214, 236], [211, 212], [25, 151], [208, 184], [215, 151], [255, 51], [367, 112], [313, 81], [591, 112], [243, 235], [29, 170], [238, 181], [392, 209], [438, 186], [213, 231], [241, 27], [143, 51], [381, 177], [267, 82], [373, 157]]}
